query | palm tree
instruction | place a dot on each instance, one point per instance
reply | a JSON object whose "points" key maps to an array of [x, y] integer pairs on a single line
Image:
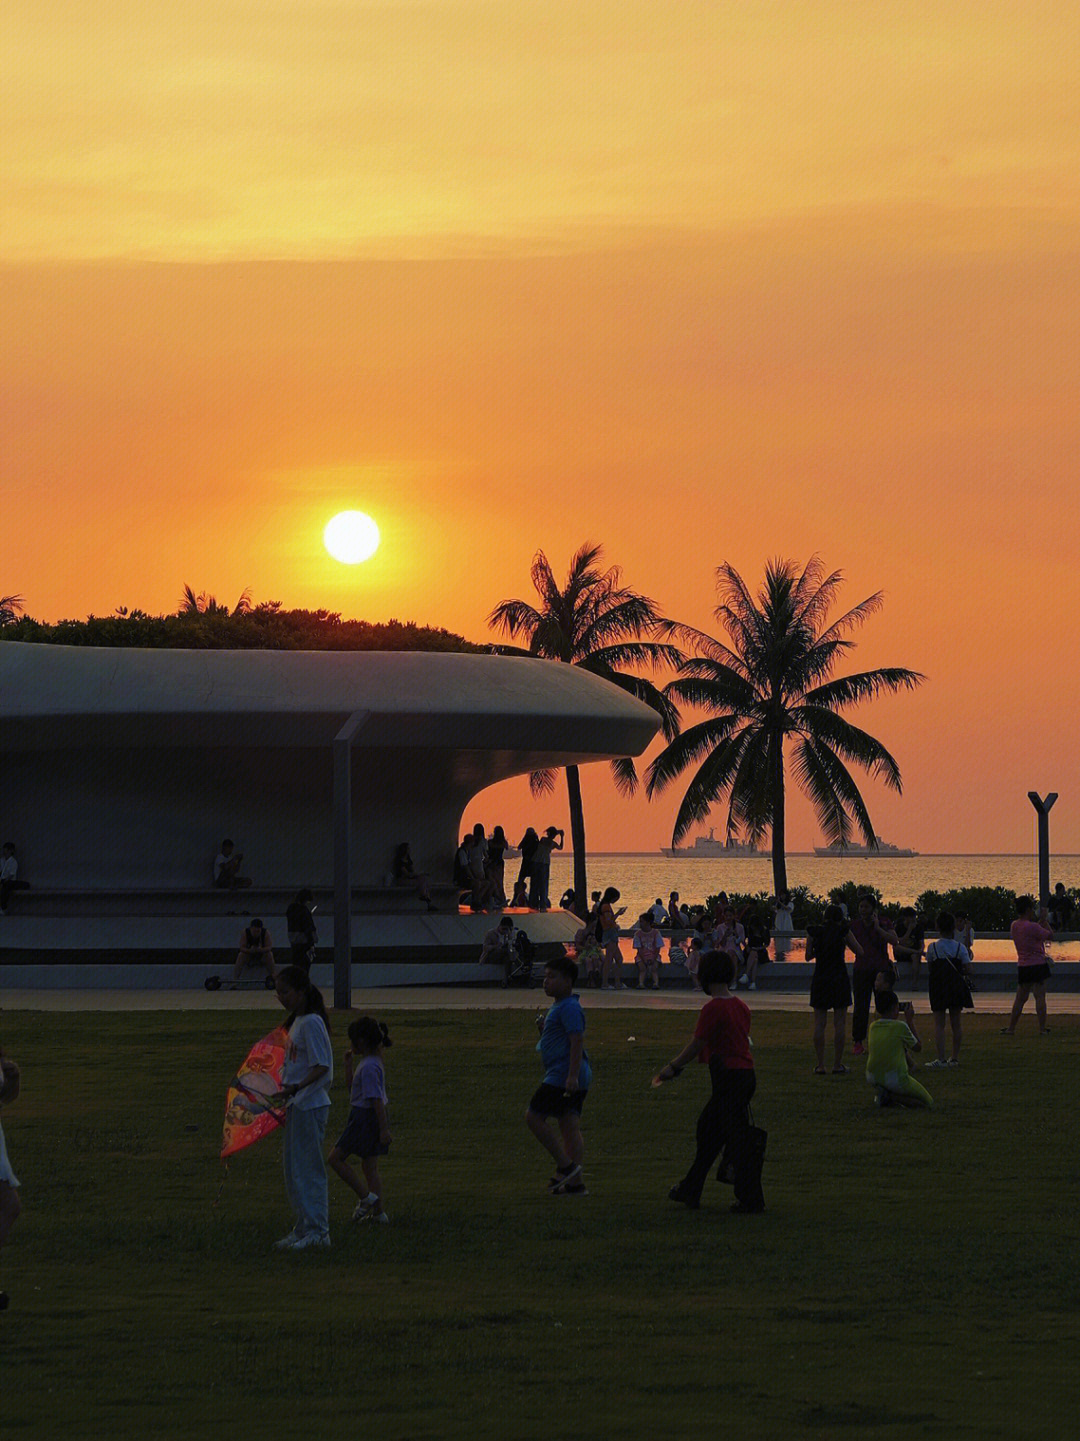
{"points": [[10, 606], [594, 622], [771, 687], [205, 604]]}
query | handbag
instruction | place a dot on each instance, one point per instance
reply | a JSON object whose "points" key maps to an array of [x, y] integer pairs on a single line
{"points": [[757, 1140]]}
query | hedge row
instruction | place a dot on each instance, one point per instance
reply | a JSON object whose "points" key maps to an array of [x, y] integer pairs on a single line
{"points": [[991, 908]]}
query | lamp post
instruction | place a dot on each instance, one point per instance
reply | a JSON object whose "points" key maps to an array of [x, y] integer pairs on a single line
{"points": [[1042, 810]]}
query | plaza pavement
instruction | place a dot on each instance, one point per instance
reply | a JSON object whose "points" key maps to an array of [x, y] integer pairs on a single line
{"points": [[463, 998]]}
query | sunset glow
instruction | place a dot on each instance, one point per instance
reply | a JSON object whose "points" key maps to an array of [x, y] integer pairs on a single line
{"points": [[701, 283]]}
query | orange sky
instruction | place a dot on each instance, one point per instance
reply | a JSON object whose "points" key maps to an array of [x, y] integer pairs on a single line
{"points": [[700, 282]]}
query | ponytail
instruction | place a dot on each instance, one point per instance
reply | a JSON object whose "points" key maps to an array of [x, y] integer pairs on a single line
{"points": [[369, 1033]]}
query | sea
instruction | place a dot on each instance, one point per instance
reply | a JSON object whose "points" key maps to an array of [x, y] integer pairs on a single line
{"points": [[641, 877]]}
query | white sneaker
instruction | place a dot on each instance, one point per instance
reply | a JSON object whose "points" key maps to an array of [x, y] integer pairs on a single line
{"points": [[286, 1242], [364, 1206], [752, 986], [313, 1238], [936, 1065], [379, 1218]]}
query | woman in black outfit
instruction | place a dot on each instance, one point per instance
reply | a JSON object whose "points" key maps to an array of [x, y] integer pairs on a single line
{"points": [[830, 989]]}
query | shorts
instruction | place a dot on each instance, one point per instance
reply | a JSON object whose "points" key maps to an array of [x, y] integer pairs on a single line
{"points": [[361, 1135], [1032, 975], [553, 1101]]}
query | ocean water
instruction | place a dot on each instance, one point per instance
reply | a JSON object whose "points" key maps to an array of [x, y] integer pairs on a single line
{"points": [[641, 878]]}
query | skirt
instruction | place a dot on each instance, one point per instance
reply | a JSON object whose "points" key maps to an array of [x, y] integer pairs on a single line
{"points": [[830, 991], [948, 990], [6, 1173]]}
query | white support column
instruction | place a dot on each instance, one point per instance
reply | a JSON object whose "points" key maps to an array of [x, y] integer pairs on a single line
{"points": [[343, 744]]}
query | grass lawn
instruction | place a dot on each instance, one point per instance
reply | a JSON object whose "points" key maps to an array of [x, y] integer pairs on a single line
{"points": [[915, 1274]]}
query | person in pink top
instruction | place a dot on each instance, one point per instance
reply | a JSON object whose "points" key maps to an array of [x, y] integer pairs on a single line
{"points": [[1030, 936]]}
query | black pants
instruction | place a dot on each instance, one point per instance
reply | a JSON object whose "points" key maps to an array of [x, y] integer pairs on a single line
{"points": [[724, 1124], [862, 991]]}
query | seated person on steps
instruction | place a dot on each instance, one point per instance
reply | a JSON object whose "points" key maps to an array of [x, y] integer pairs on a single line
{"points": [[256, 949]]}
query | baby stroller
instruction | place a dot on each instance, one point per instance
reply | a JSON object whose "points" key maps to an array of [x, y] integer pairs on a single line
{"points": [[520, 965]]}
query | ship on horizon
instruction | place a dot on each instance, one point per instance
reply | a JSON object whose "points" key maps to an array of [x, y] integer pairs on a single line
{"points": [[882, 850], [709, 846]]}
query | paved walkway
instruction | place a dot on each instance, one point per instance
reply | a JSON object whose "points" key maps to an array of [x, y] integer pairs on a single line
{"points": [[462, 998]]}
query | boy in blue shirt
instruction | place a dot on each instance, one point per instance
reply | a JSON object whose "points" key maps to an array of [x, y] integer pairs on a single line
{"points": [[567, 1074]]}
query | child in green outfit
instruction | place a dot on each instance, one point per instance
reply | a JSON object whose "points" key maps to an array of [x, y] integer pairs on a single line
{"points": [[888, 1042]]}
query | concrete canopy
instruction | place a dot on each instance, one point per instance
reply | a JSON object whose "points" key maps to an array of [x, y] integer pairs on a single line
{"points": [[125, 768]]}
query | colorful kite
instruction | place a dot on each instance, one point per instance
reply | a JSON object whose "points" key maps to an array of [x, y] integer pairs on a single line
{"points": [[249, 1113]]}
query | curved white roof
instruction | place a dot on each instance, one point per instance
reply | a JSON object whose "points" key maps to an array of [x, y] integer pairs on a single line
{"points": [[414, 697]]}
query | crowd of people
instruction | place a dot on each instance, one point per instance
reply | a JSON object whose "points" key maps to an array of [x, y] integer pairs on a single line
{"points": [[743, 933], [480, 869], [725, 1133]]}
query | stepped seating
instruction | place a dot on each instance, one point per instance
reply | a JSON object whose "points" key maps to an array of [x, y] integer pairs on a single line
{"points": [[265, 901]]}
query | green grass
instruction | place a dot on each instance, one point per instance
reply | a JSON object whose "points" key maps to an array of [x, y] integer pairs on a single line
{"points": [[915, 1274]]}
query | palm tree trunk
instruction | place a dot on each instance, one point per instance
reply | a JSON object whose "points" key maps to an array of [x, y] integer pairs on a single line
{"points": [[779, 841], [577, 840]]}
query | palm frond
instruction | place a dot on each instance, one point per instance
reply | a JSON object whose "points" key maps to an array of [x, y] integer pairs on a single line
{"points": [[542, 782], [654, 654], [816, 781], [830, 785], [687, 749], [624, 774], [857, 615], [644, 690], [715, 688], [852, 689], [826, 727], [709, 784], [750, 797], [515, 617]]}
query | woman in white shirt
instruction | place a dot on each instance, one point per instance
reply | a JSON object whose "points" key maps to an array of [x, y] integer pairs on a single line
{"points": [[783, 925], [305, 1089]]}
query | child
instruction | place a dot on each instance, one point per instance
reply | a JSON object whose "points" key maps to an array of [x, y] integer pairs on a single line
{"points": [[567, 1075], [367, 1133], [9, 1185], [757, 947], [587, 951], [648, 943], [695, 949], [964, 933], [306, 1079], [722, 1041], [888, 1042]]}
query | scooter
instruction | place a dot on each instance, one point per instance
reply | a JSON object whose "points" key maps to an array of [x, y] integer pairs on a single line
{"points": [[246, 983]]}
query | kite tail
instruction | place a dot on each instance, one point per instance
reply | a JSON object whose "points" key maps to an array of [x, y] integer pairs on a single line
{"points": [[221, 1188]]}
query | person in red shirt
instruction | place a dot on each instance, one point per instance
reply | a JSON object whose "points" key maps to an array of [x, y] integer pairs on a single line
{"points": [[721, 1040]]}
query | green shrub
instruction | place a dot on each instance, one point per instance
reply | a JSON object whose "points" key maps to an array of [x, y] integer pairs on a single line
{"points": [[991, 908]]}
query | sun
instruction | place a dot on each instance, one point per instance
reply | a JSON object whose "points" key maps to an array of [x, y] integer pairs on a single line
{"points": [[351, 537]]}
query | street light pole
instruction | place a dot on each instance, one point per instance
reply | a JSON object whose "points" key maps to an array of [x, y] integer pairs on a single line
{"points": [[1042, 810]]}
